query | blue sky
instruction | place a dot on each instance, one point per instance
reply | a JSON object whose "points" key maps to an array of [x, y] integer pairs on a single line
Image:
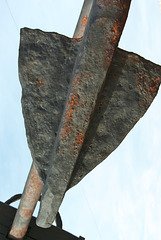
{"points": [[121, 198]]}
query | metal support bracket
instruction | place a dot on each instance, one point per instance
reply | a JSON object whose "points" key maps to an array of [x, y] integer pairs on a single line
{"points": [[34, 232]]}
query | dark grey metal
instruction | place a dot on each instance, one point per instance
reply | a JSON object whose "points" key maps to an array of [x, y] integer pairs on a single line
{"points": [[76, 112], [104, 28], [7, 214], [46, 61], [130, 87]]}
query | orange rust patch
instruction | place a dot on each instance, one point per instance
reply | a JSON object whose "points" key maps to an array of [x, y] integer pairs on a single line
{"points": [[110, 42], [28, 202], [73, 101], [78, 39], [84, 20], [67, 129], [88, 75], [70, 113], [117, 31], [39, 82], [154, 88], [27, 213], [34, 188], [148, 86], [79, 138], [18, 233]]}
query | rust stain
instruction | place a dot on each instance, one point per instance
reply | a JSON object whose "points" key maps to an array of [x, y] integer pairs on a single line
{"points": [[117, 31], [39, 82], [19, 233], [154, 88], [79, 35], [84, 20], [26, 213], [146, 85], [83, 23], [113, 36], [74, 99], [34, 187], [28, 202], [78, 39], [111, 41], [67, 129], [79, 138]]}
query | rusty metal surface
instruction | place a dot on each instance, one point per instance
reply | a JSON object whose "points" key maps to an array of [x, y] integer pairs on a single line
{"points": [[131, 86], [83, 19], [141, 91], [45, 82], [77, 115], [31, 195], [89, 62], [103, 31], [103, 136], [20, 224]]}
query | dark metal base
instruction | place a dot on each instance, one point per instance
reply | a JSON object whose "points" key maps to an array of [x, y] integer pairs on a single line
{"points": [[34, 232]]}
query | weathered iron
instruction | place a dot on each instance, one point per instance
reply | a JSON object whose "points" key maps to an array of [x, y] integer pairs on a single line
{"points": [[31, 195], [130, 87], [21, 221], [103, 31], [83, 19], [80, 98]]}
